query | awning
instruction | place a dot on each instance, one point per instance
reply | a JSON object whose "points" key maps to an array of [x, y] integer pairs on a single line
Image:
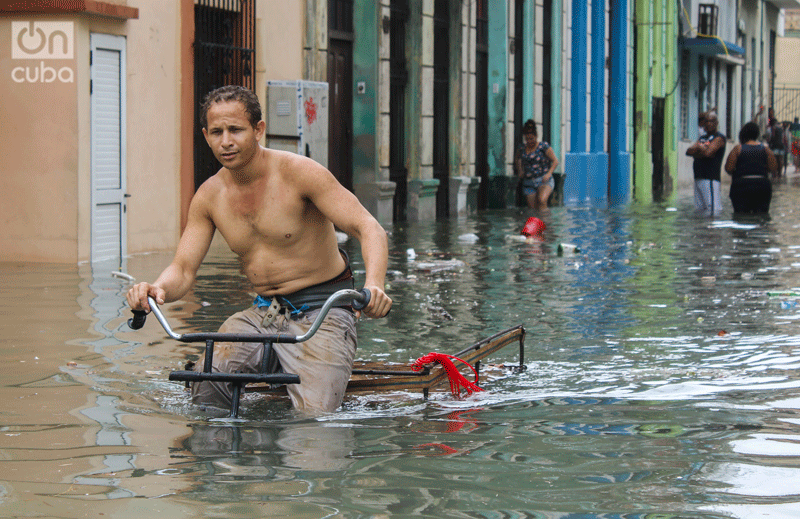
{"points": [[712, 46]]}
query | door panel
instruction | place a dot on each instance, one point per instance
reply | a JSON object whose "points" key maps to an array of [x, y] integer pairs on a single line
{"points": [[340, 120], [109, 228]]}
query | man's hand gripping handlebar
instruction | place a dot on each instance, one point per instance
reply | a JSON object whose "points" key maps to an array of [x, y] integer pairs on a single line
{"points": [[359, 299]]}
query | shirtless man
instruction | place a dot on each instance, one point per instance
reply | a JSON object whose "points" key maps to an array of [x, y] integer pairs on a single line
{"points": [[277, 211]]}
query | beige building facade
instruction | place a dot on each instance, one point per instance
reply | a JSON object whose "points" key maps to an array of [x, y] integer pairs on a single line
{"points": [[98, 111], [103, 152]]}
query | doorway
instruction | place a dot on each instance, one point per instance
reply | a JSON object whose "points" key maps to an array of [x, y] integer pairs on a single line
{"points": [[224, 54], [441, 105]]}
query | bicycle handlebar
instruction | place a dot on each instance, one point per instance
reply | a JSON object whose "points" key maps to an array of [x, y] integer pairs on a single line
{"points": [[360, 299]]}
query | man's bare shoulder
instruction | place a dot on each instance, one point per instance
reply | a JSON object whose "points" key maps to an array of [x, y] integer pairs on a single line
{"points": [[296, 169]]}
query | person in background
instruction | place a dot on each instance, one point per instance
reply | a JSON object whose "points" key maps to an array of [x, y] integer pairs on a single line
{"points": [[793, 144], [776, 141], [762, 120], [535, 164], [701, 120], [749, 165], [708, 153]]}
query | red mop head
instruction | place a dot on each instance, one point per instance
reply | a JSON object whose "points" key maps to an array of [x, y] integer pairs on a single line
{"points": [[457, 380]]}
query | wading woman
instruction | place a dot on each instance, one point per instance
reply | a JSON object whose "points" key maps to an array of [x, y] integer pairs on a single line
{"points": [[535, 164], [749, 164]]}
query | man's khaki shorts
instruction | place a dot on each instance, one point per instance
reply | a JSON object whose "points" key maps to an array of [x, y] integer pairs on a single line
{"points": [[324, 362]]}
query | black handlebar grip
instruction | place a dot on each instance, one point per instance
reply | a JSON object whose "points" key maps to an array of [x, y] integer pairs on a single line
{"points": [[360, 305], [138, 319]]}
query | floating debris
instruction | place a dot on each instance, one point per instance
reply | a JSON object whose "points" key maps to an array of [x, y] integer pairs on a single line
{"points": [[123, 275], [439, 312], [439, 266], [468, 238], [567, 248]]}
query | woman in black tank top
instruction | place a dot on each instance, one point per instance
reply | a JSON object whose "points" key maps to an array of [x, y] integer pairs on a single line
{"points": [[749, 165]]}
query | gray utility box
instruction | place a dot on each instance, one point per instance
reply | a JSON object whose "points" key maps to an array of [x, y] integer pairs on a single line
{"points": [[297, 118]]}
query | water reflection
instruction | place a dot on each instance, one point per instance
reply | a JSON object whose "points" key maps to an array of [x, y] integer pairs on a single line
{"points": [[661, 382]]}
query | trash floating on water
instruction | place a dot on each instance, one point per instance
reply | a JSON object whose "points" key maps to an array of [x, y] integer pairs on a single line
{"points": [[733, 225], [439, 312], [708, 280], [567, 248], [468, 238], [411, 254], [533, 227], [783, 293], [788, 305], [516, 237], [439, 266], [123, 275]]}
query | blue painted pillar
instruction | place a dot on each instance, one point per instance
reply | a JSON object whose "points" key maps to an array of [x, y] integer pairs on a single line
{"points": [[576, 161], [598, 170], [619, 171]]}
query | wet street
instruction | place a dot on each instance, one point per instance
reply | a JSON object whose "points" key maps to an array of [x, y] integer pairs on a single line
{"points": [[661, 381]]}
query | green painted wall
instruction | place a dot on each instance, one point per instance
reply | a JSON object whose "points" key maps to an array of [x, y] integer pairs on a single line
{"points": [[498, 103], [656, 69], [366, 16], [642, 161]]}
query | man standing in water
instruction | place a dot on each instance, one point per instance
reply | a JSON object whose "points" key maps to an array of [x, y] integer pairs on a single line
{"points": [[708, 152], [277, 211]]}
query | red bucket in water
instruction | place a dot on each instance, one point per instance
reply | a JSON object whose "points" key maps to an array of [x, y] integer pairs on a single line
{"points": [[533, 227]]}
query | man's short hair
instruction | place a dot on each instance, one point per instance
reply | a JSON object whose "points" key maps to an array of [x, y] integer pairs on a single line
{"points": [[249, 100]]}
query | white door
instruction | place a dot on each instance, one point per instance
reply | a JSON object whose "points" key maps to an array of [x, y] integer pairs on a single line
{"points": [[109, 228]]}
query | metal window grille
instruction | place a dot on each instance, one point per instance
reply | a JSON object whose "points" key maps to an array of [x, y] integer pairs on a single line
{"points": [[340, 15], [482, 20], [787, 102], [224, 54], [398, 79], [707, 20]]}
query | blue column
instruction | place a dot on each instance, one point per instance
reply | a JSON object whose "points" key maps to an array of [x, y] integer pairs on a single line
{"points": [[576, 161], [598, 170], [619, 173]]}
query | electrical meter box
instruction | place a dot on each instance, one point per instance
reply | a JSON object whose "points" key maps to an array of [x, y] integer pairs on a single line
{"points": [[297, 118]]}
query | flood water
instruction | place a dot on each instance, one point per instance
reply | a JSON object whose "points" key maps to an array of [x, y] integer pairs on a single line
{"points": [[662, 382]]}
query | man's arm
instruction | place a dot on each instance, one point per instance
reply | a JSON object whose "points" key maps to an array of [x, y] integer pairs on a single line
{"points": [[177, 278], [694, 149], [342, 208], [708, 150]]}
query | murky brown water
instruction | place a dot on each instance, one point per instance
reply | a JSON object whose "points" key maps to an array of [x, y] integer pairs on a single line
{"points": [[661, 382]]}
